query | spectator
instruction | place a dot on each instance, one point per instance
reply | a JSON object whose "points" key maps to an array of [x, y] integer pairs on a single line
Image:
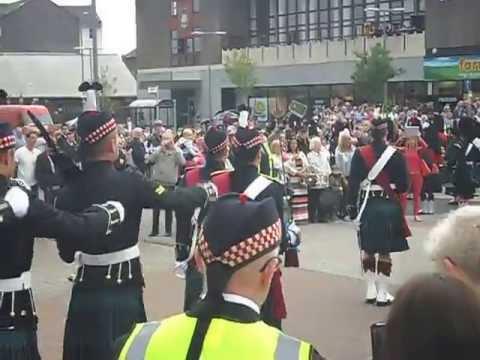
{"points": [[26, 158], [296, 167], [67, 143], [155, 139], [49, 179], [434, 317], [303, 141], [454, 244], [319, 165], [166, 162], [138, 150], [343, 161]]}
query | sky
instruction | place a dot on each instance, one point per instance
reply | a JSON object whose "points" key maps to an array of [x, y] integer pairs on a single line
{"points": [[118, 18]]}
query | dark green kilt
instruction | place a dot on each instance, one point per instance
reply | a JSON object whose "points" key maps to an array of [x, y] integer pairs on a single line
{"points": [[19, 344], [97, 317], [381, 227]]}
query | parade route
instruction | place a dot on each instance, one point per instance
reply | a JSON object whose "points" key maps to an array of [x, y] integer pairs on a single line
{"points": [[324, 296]]}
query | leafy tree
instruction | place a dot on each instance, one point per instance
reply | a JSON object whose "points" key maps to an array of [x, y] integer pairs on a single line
{"points": [[372, 72], [241, 72], [109, 90]]}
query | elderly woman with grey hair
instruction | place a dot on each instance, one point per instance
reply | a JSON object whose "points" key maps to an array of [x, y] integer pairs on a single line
{"points": [[454, 244]]}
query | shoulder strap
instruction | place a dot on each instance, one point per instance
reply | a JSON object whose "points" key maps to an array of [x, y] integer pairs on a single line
{"points": [[256, 187], [381, 163]]}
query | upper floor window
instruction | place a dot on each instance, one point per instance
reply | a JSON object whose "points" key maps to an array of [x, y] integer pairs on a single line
{"points": [[174, 8], [196, 6]]}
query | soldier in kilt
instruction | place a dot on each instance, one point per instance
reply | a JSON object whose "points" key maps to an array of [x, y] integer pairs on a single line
{"points": [[376, 205]]}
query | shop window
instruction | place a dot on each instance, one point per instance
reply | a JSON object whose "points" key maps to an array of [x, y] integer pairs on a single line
{"points": [[174, 42], [196, 6], [342, 91]]}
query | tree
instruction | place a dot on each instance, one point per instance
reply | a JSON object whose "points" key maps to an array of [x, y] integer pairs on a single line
{"points": [[109, 90], [241, 72], [372, 72]]}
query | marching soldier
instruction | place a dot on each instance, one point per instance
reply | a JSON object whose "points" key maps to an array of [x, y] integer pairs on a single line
{"points": [[239, 251], [217, 156], [21, 219], [107, 295], [377, 179], [246, 178]]}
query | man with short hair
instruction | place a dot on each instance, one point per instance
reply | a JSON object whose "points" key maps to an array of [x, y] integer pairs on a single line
{"points": [[138, 149], [165, 162], [238, 251], [26, 158]]}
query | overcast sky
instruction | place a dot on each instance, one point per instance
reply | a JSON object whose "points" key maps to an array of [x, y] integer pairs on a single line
{"points": [[118, 22]]}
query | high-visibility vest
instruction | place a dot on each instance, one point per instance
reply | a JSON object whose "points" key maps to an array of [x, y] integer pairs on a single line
{"points": [[170, 339]]}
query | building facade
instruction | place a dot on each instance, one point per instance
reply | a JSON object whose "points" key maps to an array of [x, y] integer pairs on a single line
{"points": [[304, 50], [43, 26]]}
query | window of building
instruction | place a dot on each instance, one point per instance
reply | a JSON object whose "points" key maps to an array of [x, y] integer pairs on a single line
{"points": [[174, 8], [197, 41], [189, 46], [421, 5], [196, 6], [174, 42]]}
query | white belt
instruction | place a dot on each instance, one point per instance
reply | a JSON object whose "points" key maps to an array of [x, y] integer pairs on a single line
{"points": [[110, 258], [23, 282], [375, 187]]}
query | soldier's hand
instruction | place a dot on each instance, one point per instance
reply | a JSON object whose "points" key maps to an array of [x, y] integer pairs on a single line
{"points": [[18, 200]]}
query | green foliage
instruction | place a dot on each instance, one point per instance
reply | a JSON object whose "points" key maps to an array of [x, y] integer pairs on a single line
{"points": [[372, 72], [109, 90], [241, 71]]}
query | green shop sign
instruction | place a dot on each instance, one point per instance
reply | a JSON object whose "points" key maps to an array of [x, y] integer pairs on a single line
{"points": [[452, 68]]}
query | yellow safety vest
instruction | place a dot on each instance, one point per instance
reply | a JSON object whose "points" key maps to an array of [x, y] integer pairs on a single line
{"points": [[170, 339]]}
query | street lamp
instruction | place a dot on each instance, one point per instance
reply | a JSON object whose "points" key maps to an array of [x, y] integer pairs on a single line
{"points": [[198, 33], [397, 10]]}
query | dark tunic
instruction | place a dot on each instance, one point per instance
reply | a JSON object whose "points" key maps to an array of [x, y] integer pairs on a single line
{"points": [[465, 176], [381, 229], [17, 240], [101, 309]]}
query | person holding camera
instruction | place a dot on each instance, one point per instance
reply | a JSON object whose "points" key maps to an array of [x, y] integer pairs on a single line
{"points": [[165, 163]]}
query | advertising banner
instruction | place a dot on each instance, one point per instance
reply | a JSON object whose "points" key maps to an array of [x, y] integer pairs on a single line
{"points": [[452, 68]]}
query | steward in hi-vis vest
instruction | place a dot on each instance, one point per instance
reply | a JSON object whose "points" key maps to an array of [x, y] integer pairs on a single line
{"points": [[238, 250]]}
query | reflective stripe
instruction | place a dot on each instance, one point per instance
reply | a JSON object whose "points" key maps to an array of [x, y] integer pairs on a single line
{"points": [[138, 348], [288, 348], [160, 190]]}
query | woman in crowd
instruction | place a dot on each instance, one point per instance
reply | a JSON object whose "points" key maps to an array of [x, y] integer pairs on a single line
{"points": [[343, 161], [319, 172], [434, 317], [278, 160], [296, 167], [411, 145]]}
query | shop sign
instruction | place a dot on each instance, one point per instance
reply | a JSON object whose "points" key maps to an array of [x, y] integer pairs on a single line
{"points": [[452, 68], [297, 108]]}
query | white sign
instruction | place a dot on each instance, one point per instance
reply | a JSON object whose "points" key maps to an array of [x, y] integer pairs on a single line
{"points": [[152, 89]]}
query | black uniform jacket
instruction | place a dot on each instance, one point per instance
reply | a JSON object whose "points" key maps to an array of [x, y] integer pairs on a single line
{"points": [[100, 182], [396, 169]]}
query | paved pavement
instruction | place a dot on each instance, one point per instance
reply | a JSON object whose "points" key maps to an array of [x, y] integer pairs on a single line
{"points": [[324, 296]]}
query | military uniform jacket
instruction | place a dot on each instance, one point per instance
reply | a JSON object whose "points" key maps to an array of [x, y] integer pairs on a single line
{"points": [[100, 182], [17, 239]]}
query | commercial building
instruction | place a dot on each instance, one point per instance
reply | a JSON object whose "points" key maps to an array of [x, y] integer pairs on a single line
{"points": [[303, 49]]}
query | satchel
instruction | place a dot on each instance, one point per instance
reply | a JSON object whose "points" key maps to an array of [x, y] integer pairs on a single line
{"points": [[291, 257]]}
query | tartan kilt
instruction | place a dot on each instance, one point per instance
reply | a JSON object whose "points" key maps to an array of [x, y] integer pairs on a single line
{"points": [[20, 344], [381, 227], [97, 317]]}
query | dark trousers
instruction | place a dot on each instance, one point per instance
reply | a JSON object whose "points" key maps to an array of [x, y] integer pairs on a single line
{"points": [[168, 218], [314, 205]]}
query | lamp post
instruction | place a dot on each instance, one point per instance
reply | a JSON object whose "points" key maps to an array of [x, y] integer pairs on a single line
{"points": [[199, 33], [94, 39], [385, 35]]}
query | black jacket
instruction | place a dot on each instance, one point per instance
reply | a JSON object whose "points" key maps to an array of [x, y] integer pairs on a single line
{"points": [[46, 172], [17, 236], [101, 182], [138, 154]]}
